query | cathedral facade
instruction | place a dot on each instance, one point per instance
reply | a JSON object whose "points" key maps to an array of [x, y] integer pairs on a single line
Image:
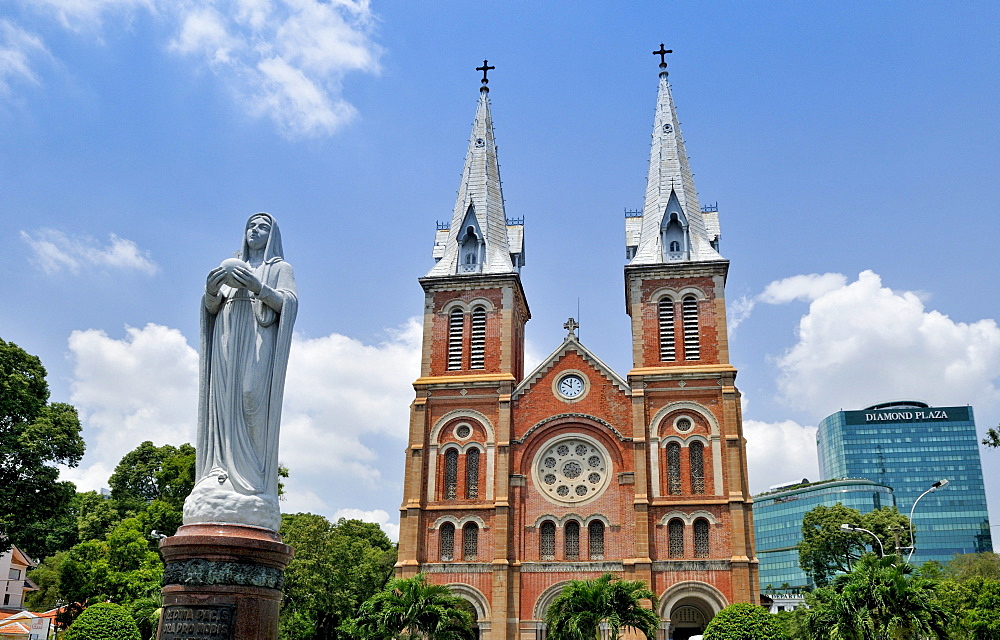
{"points": [[517, 482]]}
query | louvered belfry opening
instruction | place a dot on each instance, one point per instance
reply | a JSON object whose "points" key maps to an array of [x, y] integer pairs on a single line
{"points": [[689, 310], [668, 347], [477, 342], [456, 331]]}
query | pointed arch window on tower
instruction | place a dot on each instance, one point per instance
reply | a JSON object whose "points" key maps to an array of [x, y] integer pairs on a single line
{"points": [[701, 538], [456, 335], [547, 540], [446, 537], [571, 534], [451, 474], [470, 251], [470, 541], [477, 339], [674, 469], [697, 454], [472, 474], [668, 346], [673, 236], [595, 532], [675, 533], [689, 313]]}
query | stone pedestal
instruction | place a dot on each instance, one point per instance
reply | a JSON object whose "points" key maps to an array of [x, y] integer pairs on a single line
{"points": [[222, 582]]}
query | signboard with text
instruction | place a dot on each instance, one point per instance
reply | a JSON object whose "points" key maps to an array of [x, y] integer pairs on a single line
{"points": [[908, 414]]}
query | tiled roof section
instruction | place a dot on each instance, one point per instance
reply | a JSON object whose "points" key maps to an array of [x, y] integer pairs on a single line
{"points": [[479, 188], [669, 171], [712, 227], [571, 344]]}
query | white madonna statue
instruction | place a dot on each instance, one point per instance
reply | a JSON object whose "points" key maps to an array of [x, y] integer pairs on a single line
{"points": [[247, 316]]}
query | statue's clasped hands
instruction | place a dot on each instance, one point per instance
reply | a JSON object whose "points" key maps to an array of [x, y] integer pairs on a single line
{"points": [[240, 277]]}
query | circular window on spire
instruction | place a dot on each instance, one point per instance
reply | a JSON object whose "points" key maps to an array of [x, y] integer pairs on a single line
{"points": [[573, 469], [667, 128], [480, 142]]}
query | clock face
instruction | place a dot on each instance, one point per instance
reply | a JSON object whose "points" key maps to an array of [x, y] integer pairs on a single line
{"points": [[571, 386]]}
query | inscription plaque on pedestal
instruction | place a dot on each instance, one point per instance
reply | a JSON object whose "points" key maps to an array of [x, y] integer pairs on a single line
{"points": [[197, 622]]}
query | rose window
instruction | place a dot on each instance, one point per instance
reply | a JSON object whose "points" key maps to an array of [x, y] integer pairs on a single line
{"points": [[572, 469]]}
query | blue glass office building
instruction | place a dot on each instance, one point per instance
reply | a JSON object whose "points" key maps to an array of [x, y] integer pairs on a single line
{"points": [[777, 522], [909, 446]]}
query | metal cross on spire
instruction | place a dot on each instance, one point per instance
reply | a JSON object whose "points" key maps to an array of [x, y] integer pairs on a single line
{"points": [[571, 326], [663, 55], [486, 67]]}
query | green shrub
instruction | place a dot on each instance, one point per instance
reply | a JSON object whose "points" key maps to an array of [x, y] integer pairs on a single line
{"points": [[104, 621], [742, 621]]}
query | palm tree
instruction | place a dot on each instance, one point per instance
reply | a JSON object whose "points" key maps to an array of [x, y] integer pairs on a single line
{"points": [[881, 599], [410, 608], [583, 605]]}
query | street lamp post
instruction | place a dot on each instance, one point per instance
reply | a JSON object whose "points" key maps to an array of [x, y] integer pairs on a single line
{"points": [[943, 482], [853, 529]]}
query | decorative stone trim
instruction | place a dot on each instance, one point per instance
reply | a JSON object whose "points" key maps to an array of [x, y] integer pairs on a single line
{"points": [[457, 567], [572, 567], [205, 572], [563, 416], [691, 565]]}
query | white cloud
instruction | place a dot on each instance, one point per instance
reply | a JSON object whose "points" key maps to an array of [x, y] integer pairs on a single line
{"points": [[141, 387], [55, 252], [18, 50], [779, 452], [284, 60], [863, 342], [805, 288], [377, 516]]}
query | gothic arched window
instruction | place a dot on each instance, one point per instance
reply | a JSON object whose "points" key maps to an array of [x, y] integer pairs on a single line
{"points": [[701, 538], [472, 474], [547, 540], [470, 541], [451, 474], [447, 541], [675, 246], [477, 339], [571, 533], [456, 335], [668, 347], [696, 451], [675, 531], [673, 469], [689, 313], [595, 531]]}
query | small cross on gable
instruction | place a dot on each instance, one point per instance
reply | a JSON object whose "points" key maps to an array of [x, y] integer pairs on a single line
{"points": [[571, 326]]}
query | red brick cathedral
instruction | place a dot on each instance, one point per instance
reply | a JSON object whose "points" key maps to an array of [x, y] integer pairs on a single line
{"points": [[516, 484]]}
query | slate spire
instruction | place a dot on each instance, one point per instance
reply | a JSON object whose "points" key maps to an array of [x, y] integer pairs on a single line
{"points": [[673, 227], [477, 239]]}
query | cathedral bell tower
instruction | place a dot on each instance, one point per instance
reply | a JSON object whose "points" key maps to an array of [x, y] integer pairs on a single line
{"points": [[455, 502], [684, 400]]}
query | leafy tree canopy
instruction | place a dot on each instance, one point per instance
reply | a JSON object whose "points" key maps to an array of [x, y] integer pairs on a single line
{"points": [[583, 605], [337, 566], [966, 566], [409, 608], [743, 621], [103, 621], [826, 549], [35, 436], [150, 473], [880, 599]]}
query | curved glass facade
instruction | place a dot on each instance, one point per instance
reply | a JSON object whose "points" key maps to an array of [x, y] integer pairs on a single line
{"points": [[909, 446], [777, 521]]}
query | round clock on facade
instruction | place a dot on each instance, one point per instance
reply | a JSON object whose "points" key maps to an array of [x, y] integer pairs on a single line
{"points": [[571, 386]]}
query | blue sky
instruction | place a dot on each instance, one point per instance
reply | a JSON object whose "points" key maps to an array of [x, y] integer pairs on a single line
{"points": [[851, 147]]}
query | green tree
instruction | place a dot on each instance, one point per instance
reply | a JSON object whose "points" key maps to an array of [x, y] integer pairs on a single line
{"points": [[992, 438], [96, 515], [965, 566], [46, 576], [880, 599], [411, 608], [149, 473], [583, 605], [35, 436], [103, 621], [826, 549], [743, 621], [121, 568], [146, 613], [336, 568]]}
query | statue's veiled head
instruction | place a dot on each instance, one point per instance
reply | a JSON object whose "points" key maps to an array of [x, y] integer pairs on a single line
{"points": [[272, 248]]}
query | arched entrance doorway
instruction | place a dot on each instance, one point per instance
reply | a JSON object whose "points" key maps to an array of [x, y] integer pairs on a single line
{"points": [[686, 609], [477, 606]]}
